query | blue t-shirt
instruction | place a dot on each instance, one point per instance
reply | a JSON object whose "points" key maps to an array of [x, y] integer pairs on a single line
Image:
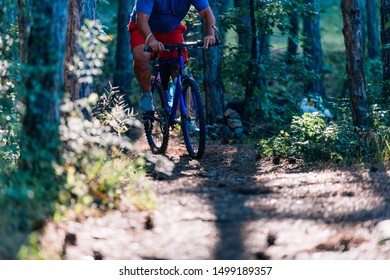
{"points": [[166, 15]]}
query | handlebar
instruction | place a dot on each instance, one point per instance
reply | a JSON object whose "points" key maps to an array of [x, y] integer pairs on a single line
{"points": [[192, 45]]}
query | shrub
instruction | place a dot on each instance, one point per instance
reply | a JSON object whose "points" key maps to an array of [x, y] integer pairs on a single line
{"points": [[9, 116], [312, 138], [99, 165]]}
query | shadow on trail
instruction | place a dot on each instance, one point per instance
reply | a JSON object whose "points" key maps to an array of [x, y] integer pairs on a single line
{"points": [[235, 180], [226, 185], [378, 183], [230, 184]]}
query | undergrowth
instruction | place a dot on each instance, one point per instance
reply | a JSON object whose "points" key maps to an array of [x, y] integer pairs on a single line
{"points": [[99, 162], [313, 138]]}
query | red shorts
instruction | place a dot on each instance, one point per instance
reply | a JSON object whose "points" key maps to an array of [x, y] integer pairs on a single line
{"points": [[174, 37]]}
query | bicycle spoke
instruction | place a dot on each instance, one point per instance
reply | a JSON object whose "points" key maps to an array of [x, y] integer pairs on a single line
{"points": [[156, 125]]}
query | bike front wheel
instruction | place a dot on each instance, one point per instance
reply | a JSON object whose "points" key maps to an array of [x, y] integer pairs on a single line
{"points": [[193, 119], [156, 123]]}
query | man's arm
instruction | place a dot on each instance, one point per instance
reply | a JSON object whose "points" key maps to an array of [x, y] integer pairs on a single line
{"points": [[142, 21], [208, 23]]}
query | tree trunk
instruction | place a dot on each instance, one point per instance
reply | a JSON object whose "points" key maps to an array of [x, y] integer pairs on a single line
{"points": [[385, 38], [252, 77], [292, 44], [79, 11], [352, 31], [24, 28], [364, 21], [212, 78], [43, 76], [244, 26], [373, 28], [312, 49], [263, 42], [123, 57]]}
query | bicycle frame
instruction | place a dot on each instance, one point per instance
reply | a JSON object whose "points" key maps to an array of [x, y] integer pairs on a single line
{"points": [[178, 97]]}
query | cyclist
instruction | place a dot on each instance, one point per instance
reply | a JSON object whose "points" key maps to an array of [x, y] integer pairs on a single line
{"points": [[158, 22]]}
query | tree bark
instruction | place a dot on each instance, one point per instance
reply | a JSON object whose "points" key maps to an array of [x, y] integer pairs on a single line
{"points": [[385, 40], [352, 31], [373, 41], [312, 49], [364, 21], [244, 26], [252, 77], [292, 44], [212, 78], [43, 76], [79, 11], [123, 56], [24, 28]]}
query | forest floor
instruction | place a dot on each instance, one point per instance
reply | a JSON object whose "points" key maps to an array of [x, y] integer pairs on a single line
{"points": [[233, 205]]}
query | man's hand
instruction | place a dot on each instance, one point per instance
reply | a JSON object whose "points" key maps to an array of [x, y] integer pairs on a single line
{"points": [[155, 45], [208, 41], [208, 23]]}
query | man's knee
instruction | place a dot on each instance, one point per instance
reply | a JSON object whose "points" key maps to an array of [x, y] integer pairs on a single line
{"points": [[140, 57]]}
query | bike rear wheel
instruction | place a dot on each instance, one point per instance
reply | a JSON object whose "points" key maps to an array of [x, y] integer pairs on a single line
{"points": [[156, 124], [193, 119]]}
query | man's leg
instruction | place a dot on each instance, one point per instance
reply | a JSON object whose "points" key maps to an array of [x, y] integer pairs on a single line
{"points": [[143, 74], [142, 68]]}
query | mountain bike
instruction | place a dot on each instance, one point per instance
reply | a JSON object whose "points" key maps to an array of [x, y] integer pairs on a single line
{"points": [[186, 100]]}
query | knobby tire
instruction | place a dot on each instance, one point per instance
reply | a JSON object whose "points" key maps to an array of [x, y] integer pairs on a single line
{"points": [[157, 127], [194, 125]]}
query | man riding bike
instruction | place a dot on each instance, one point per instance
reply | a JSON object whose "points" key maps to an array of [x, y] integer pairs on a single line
{"points": [[155, 23]]}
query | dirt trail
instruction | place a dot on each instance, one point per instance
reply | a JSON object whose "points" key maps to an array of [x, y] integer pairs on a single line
{"points": [[232, 205]]}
